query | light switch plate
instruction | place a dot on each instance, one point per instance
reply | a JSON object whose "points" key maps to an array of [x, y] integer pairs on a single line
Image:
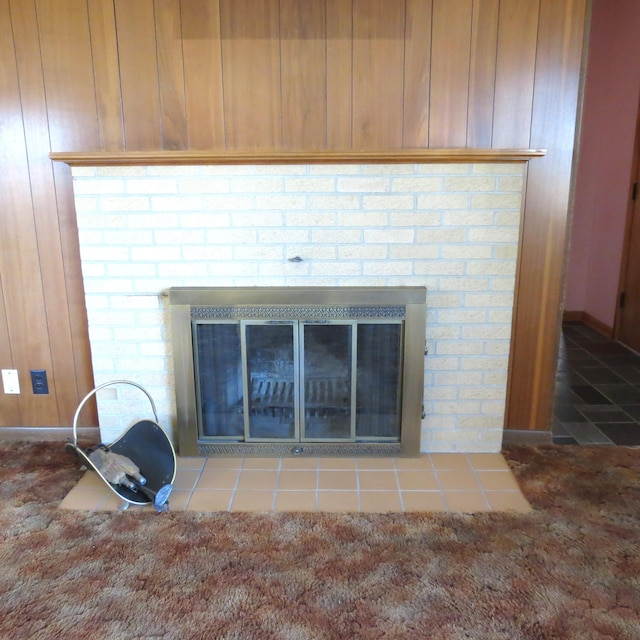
{"points": [[10, 381]]}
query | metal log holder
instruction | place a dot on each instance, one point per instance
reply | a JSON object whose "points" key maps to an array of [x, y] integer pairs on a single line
{"points": [[140, 466]]}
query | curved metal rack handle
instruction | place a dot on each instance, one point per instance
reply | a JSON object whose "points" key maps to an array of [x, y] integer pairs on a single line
{"points": [[102, 386]]}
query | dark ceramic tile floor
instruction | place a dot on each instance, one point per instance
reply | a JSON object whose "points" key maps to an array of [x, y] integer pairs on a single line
{"points": [[597, 398]]}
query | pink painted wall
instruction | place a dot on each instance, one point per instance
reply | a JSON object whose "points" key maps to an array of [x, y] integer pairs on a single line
{"points": [[612, 93]]}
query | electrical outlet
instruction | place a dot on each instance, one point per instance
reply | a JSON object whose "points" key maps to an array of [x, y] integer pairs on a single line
{"points": [[39, 381], [10, 381]]}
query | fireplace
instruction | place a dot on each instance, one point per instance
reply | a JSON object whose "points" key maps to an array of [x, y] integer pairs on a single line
{"points": [[299, 371], [450, 228]]}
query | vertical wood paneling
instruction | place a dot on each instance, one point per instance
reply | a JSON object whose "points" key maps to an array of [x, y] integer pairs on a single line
{"points": [[57, 234], [537, 318], [517, 42], [268, 74], [19, 258], [450, 62], [75, 378], [9, 406], [417, 67], [251, 73], [31, 90], [202, 51], [12, 184], [104, 48], [303, 50], [173, 110], [69, 84], [41, 218], [135, 25], [65, 44], [339, 73], [378, 62], [43, 89], [482, 72]]}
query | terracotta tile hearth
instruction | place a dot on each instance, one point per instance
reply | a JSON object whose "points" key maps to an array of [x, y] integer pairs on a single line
{"points": [[432, 482]]}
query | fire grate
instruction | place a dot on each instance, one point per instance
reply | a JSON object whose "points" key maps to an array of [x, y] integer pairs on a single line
{"points": [[323, 397]]}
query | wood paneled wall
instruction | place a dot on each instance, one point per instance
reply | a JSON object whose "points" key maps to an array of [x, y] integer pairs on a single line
{"points": [[242, 75]]}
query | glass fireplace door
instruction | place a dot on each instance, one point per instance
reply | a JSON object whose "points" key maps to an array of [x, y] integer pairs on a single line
{"points": [[271, 362], [379, 375], [327, 366], [219, 380]]}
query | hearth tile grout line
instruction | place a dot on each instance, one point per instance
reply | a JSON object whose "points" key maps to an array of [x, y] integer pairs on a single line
{"points": [[474, 471], [235, 486], [442, 493], [317, 496], [395, 473], [195, 484], [277, 487], [105, 497]]}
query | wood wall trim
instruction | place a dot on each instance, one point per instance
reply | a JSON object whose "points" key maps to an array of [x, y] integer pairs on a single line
{"points": [[586, 318], [391, 156], [518, 438], [539, 284], [48, 434]]}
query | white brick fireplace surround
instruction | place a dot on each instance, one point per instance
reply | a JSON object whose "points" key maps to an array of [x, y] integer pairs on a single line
{"points": [[453, 228]]}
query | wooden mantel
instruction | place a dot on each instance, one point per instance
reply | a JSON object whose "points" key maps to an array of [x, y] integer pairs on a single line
{"points": [[141, 158]]}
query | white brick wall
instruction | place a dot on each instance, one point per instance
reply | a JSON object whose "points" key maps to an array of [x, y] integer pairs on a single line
{"points": [[450, 227]]}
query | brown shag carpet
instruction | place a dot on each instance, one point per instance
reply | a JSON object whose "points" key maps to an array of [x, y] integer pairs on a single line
{"points": [[569, 569]]}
